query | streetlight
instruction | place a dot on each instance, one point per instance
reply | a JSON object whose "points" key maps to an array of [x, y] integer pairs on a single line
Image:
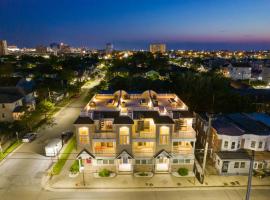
{"points": [[250, 176]]}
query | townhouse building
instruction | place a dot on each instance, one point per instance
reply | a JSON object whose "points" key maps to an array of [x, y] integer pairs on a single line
{"points": [[231, 141], [135, 132]]}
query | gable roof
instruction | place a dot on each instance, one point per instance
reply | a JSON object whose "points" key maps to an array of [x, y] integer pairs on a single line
{"points": [[10, 94], [84, 153], [124, 153], [162, 153], [83, 120], [123, 120]]}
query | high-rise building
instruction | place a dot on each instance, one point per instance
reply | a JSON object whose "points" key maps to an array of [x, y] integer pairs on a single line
{"points": [[3, 48], [109, 48], [157, 48]]}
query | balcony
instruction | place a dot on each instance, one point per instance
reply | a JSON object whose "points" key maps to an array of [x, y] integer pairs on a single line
{"points": [[101, 151], [189, 134], [143, 152], [144, 135], [104, 135], [182, 150]]}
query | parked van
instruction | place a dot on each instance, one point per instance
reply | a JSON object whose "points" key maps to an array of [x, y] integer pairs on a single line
{"points": [[53, 147]]}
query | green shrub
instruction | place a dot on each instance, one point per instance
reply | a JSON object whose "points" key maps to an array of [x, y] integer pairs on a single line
{"points": [[104, 173], [143, 174], [183, 171], [74, 167]]}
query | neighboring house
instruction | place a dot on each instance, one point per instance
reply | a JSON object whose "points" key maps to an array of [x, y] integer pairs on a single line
{"points": [[126, 133], [11, 104], [266, 74], [15, 94], [239, 71], [231, 140]]}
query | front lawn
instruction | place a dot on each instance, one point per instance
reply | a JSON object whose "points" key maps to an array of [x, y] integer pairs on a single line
{"points": [[11, 148], [64, 156]]}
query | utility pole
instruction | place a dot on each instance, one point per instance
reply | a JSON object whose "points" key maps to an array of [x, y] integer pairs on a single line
{"points": [[206, 143], [250, 176], [17, 135]]}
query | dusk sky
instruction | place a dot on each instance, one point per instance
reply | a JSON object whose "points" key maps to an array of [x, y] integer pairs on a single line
{"points": [[133, 24]]}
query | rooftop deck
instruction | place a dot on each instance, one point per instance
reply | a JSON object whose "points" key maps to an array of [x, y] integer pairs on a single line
{"points": [[148, 100]]}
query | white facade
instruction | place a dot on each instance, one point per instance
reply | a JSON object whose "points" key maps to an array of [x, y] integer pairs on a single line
{"points": [[239, 73], [246, 141], [232, 166]]}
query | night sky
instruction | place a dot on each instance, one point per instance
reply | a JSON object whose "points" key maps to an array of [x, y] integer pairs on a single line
{"points": [[133, 24]]}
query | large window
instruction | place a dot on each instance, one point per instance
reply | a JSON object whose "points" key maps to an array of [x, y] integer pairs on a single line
{"points": [[164, 135], [143, 162], [84, 135], [226, 143], [253, 144], [233, 145], [106, 125], [243, 165], [124, 136], [236, 165], [260, 144]]}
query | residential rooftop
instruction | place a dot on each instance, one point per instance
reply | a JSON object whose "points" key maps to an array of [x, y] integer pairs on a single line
{"points": [[145, 103]]}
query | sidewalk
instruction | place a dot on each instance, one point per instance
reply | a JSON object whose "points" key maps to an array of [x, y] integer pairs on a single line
{"points": [[165, 181]]}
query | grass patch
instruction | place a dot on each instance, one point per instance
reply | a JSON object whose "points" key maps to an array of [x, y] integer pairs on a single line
{"points": [[10, 149], [74, 167], [64, 156]]}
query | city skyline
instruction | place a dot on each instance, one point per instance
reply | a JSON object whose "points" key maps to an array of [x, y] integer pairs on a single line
{"points": [[207, 25]]}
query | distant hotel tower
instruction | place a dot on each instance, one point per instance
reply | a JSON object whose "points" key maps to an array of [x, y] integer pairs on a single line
{"points": [[157, 48], [3, 48], [109, 48]]}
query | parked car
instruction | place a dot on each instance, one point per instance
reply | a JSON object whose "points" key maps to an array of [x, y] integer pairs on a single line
{"points": [[66, 136], [29, 137], [53, 147]]}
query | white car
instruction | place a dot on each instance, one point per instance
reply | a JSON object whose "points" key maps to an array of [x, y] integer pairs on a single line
{"points": [[29, 137]]}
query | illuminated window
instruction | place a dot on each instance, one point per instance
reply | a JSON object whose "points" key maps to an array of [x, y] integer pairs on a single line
{"points": [[106, 125], [164, 135], [84, 135], [124, 136]]}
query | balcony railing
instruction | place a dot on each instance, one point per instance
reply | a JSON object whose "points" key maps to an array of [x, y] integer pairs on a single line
{"points": [[180, 150], [143, 152], [104, 135], [104, 151], [144, 135], [189, 134]]}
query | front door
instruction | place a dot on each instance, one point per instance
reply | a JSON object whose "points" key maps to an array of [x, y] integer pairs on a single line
{"points": [[162, 164], [125, 165], [225, 166]]}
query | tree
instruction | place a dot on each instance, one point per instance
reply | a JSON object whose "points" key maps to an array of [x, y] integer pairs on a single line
{"points": [[45, 106]]}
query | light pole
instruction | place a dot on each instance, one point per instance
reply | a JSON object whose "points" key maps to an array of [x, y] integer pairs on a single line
{"points": [[206, 144], [17, 135], [250, 176]]}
